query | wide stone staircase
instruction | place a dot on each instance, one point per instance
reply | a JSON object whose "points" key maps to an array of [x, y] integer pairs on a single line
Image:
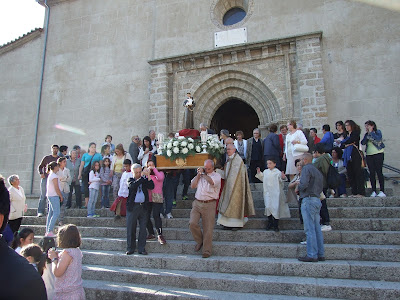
{"points": [[362, 252]]}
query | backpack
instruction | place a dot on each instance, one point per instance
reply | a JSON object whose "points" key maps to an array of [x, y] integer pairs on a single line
{"points": [[332, 177]]}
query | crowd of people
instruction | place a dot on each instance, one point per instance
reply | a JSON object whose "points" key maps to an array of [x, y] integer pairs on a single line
{"points": [[316, 168]]}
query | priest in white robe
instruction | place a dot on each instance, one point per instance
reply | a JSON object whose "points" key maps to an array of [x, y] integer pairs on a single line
{"points": [[236, 201]]}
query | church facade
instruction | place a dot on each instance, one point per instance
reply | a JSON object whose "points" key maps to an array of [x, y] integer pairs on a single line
{"points": [[124, 67]]}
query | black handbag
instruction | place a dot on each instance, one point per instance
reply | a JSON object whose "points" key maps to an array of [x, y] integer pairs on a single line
{"points": [[86, 170]]}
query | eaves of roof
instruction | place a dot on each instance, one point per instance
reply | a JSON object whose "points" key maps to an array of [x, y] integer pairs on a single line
{"points": [[18, 42]]}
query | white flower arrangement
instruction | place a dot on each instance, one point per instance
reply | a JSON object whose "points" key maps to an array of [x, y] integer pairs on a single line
{"points": [[181, 147], [214, 146]]}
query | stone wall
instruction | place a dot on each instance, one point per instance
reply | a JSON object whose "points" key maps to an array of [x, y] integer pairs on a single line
{"points": [[19, 91], [311, 82]]}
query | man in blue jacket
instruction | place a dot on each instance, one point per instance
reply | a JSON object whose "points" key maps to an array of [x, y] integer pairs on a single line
{"points": [[328, 139]]}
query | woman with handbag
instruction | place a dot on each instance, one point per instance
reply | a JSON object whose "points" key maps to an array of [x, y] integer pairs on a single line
{"points": [[155, 204], [86, 164], [375, 156], [295, 147], [353, 158], [117, 167]]}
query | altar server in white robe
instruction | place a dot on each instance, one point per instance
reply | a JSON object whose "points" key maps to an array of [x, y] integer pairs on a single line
{"points": [[276, 206]]}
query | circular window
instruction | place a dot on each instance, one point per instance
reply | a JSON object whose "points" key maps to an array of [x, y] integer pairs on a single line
{"points": [[233, 16], [230, 14]]}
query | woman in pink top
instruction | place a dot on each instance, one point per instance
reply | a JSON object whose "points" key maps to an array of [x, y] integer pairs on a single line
{"points": [[67, 267], [155, 203]]}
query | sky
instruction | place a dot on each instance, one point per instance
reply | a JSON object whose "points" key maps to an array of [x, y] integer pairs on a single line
{"points": [[18, 17]]}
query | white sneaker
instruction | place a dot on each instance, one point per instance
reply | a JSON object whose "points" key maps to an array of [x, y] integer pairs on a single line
{"points": [[381, 194], [40, 215], [169, 216], [373, 194], [326, 228], [303, 243]]}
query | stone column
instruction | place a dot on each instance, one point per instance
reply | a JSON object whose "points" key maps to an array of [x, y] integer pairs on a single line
{"points": [[311, 82], [158, 118]]}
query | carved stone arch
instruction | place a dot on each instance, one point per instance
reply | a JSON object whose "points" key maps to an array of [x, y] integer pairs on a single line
{"points": [[209, 109], [218, 88], [252, 75]]}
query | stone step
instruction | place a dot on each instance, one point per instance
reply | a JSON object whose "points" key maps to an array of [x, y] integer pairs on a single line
{"points": [[257, 193], [241, 282], [255, 249], [263, 284], [97, 289], [334, 212], [250, 235], [331, 202], [339, 269], [393, 201], [387, 224], [365, 202]]}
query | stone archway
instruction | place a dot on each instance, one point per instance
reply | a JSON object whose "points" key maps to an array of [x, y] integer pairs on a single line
{"points": [[240, 85], [233, 115]]}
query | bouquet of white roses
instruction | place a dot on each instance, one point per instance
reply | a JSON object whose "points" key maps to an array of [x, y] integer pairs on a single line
{"points": [[180, 147], [214, 146]]}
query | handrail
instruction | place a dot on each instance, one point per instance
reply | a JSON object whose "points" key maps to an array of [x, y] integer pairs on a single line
{"points": [[391, 169]]}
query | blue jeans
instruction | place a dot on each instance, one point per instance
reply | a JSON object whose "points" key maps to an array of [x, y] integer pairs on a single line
{"points": [[42, 198], [54, 212], [342, 187], [105, 195], [93, 194], [310, 208]]}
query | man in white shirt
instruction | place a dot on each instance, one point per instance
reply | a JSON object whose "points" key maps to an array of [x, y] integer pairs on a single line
{"points": [[208, 184]]}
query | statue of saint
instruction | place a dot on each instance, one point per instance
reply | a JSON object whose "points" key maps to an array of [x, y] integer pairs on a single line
{"points": [[189, 107]]}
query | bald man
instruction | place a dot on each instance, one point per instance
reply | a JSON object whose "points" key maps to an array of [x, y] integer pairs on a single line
{"points": [[254, 155], [236, 201], [208, 183]]}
